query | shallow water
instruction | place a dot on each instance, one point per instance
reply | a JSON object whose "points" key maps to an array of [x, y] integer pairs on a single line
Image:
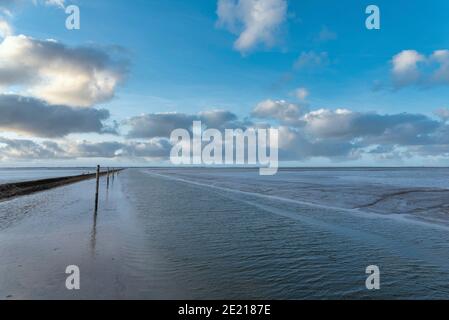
{"points": [[8, 175], [209, 234]]}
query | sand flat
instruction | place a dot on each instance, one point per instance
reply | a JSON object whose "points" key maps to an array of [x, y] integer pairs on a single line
{"points": [[220, 234]]}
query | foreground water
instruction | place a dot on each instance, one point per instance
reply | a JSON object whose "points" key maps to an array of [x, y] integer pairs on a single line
{"points": [[209, 234]]}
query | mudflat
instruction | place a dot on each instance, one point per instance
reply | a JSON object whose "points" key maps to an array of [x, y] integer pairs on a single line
{"points": [[10, 190]]}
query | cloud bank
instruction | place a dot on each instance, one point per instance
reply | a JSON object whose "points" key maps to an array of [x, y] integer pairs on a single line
{"points": [[162, 124], [337, 135], [17, 149], [38, 118], [343, 134]]}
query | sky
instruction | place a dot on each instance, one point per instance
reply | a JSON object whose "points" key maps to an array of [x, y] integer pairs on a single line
{"points": [[112, 91]]}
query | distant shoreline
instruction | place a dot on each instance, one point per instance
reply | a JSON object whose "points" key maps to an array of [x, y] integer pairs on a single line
{"points": [[16, 189]]}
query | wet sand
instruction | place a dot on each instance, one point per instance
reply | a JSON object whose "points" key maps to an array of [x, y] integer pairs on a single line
{"points": [[43, 233], [11, 190], [211, 234]]}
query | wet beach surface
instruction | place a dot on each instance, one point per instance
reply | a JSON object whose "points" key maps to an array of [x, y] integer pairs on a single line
{"points": [[43, 233], [211, 234], [9, 175]]}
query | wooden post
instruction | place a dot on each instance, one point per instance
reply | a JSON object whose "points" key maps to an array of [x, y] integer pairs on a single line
{"points": [[97, 187], [108, 179]]}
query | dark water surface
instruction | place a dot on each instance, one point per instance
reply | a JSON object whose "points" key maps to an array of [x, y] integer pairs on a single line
{"points": [[209, 234]]}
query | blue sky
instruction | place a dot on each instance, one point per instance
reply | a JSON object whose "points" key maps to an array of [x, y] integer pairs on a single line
{"points": [[181, 59]]}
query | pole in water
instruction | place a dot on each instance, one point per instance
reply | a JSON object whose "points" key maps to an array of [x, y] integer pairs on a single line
{"points": [[97, 187], [108, 179]]}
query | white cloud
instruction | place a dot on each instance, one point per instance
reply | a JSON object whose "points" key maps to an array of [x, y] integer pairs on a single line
{"points": [[56, 3], [409, 67], [5, 29], [441, 75], [280, 110], [329, 123], [326, 35], [442, 113], [405, 67], [312, 60], [49, 70], [254, 21], [406, 61], [301, 93]]}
